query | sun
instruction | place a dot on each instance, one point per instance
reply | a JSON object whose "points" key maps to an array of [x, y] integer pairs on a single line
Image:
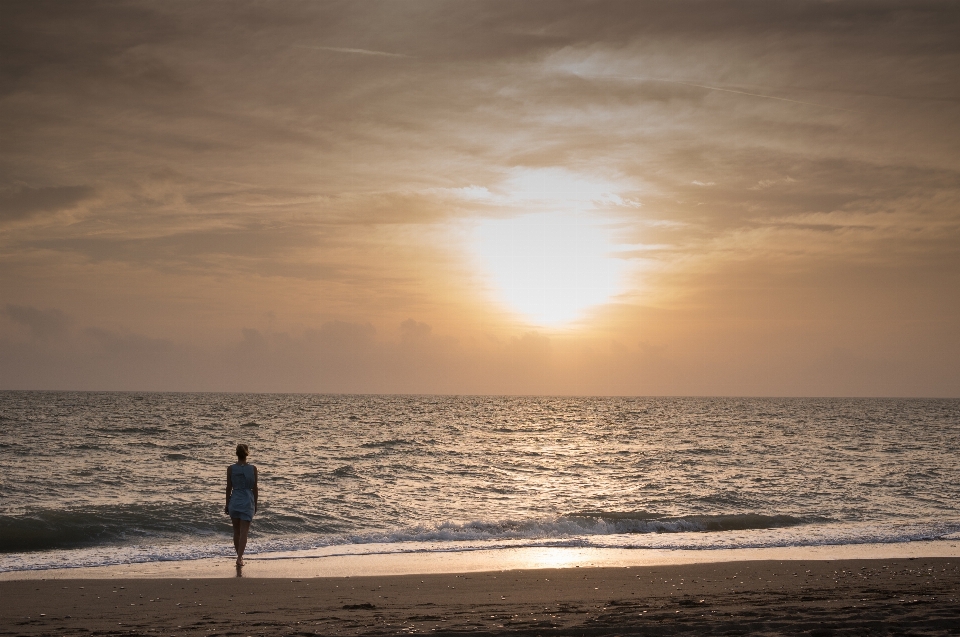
{"points": [[549, 268], [551, 265]]}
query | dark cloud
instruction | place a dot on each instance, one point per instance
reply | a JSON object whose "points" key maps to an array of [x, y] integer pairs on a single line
{"points": [[77, 41], [43, 324], [20, 202], [127, 344], [412, 331], [195, 249], [343, 334]]}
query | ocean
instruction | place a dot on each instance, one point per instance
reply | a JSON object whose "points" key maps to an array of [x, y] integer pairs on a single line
{"points": [[107, 478]]}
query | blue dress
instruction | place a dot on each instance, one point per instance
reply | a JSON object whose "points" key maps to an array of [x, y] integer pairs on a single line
{"points": [[243, 480]]}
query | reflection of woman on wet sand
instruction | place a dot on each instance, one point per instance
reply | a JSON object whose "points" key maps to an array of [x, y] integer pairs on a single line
{"points": [[241, 499]]}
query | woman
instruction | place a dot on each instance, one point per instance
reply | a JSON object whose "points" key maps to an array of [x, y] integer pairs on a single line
{"points": [[242, 497]]}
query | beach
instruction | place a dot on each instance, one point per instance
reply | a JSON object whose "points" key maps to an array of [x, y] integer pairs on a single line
{"points": [[816, 597], [787, 594]]}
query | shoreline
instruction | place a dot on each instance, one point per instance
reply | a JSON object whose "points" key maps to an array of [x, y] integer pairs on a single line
{"points": [[335, 562]]}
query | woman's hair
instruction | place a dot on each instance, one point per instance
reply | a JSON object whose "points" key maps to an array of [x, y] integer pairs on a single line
{"points": [[242, 451]]}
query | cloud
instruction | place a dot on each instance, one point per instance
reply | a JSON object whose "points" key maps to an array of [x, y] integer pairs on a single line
{"points": [[236, 171], [343, 334], [21, 202], [768, 183], [43, 324], [40, 38], [128, 345], [336, 49], [413, 331]]}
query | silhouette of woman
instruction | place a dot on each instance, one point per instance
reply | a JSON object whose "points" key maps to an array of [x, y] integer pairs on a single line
{"points": [[242, 495]]}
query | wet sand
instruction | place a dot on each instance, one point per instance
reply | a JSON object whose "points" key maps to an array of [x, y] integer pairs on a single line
{"points": [[919, 596]]}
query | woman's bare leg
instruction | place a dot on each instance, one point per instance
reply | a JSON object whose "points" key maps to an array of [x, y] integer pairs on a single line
{"points": [[244, 529], [240, 530], [236, 536]]}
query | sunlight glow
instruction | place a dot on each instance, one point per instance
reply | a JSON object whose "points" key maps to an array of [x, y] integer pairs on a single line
{"points": [[550, 267], [550, 254]]}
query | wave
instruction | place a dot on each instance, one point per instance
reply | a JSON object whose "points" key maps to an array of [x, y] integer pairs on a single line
{"points": [[116, 524], [122, 524], [396, 442], [141, 430], [574, 525], [645, 522], [344, 471], [131, 525], [134, 534]]}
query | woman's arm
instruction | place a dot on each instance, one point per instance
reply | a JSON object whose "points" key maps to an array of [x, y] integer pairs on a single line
{"points": [[256, 491], [226, 508]]}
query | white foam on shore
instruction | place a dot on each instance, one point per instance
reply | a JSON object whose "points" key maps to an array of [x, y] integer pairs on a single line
{"points": [[331, 562]]}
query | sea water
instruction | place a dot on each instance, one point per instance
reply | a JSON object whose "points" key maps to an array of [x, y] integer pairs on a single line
{"points": [[105, 478]]}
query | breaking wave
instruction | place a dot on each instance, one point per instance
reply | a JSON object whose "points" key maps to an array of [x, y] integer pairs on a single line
{"points": [[59, 529]]}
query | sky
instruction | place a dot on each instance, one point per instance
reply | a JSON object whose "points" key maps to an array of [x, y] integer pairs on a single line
{"points": [[541, 197]]}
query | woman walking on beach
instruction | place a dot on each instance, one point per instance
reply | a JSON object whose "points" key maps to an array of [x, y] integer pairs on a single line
{"points": [[242, 497]]}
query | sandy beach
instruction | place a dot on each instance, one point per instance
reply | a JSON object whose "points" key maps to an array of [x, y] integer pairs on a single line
{"points": [[814, 597]]}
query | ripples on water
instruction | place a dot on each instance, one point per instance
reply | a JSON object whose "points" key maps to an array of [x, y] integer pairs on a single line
{"points": [[100, 477]]}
